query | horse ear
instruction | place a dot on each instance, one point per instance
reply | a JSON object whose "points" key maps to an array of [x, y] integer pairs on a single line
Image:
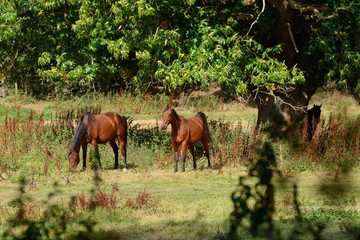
{"points": [[314, 105]]}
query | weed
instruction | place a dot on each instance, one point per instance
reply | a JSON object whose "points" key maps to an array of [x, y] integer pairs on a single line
{"points": [[100, 199], [335, 146], [232, 144], [142, 200]]}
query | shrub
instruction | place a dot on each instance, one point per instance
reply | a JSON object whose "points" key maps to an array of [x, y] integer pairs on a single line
{"points": [[99, 199], [142, 200]]}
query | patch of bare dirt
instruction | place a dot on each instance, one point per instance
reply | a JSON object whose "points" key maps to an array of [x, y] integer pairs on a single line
{"points": [[150, 123], [39, 107]]}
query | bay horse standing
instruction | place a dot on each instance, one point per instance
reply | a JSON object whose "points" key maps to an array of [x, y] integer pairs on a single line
{"points": [[186, 132], [312, 120], [99, 129]]}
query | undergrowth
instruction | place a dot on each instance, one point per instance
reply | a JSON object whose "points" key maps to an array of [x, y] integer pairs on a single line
{"points": [[335, 146], [29, 143]]}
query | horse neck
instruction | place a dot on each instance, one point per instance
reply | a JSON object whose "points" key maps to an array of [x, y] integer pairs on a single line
{"points": [[80, 135], [75, 148], [313, 120], [175, 126]]}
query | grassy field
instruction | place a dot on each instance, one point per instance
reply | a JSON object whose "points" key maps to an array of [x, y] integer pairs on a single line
{"points": [[149, 201], [191, 205], [177, 206]]}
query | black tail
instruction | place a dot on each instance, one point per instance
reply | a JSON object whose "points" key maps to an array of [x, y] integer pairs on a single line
{"points": [[80, 133], [126, 129], [203, 117]]}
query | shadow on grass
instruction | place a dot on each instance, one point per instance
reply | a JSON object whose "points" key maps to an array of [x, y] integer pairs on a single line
{"points": [[186, 229]]}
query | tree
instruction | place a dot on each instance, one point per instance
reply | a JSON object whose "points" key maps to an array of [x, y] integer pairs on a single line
{"points": [[280, 51], [319, 43], [322, 41]]}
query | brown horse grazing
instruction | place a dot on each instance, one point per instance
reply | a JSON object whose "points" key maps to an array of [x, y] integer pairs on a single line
{"points": [[99, 129], [186, 132]]}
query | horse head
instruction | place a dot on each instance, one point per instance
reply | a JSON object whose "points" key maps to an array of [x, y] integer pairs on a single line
{"points": [[168, 116], [73, 160], [314, 113]]}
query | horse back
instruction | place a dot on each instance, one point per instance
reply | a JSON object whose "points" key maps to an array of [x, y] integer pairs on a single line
{"points": [[201, 115], [105, 127], [196, 129]]}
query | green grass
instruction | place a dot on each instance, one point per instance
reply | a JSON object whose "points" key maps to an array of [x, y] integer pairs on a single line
{"points": [[179, 200], [11, 112], [334, 102], [189, 205], [140, 107], [146, 107]]}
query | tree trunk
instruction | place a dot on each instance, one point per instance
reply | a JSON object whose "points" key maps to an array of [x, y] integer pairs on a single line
{"points": [[291, 30], [290, 110]]}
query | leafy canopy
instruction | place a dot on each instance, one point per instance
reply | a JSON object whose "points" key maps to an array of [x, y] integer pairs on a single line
{"points": [[63, 45]]}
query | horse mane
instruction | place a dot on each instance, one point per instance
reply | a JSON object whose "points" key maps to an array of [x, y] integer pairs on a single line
{"points": [[166, 108], [80, 133], [173, 111]]}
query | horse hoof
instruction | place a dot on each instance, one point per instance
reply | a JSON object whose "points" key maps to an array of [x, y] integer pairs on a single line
{"points": [[124, 169], [83, 170]]}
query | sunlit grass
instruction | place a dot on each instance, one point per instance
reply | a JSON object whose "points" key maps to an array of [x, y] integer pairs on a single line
{"points": [[195, 204], [335, 102], [150, 107]]}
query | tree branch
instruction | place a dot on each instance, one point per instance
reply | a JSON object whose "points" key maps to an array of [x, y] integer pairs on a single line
{"points": [[292, 37], [257, 18], [278, 100], [315, 9]]}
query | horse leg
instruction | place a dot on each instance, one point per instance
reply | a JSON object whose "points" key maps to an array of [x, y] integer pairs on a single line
{"points": [[122, 144], [183, 155], [176, 160], [207, 154], [176, 157], [97, 155], [84, 149], [116, 153], [192, 150]]}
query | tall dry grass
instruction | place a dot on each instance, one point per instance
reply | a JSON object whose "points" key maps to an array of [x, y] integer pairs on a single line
{"points": [[335, 144]]}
